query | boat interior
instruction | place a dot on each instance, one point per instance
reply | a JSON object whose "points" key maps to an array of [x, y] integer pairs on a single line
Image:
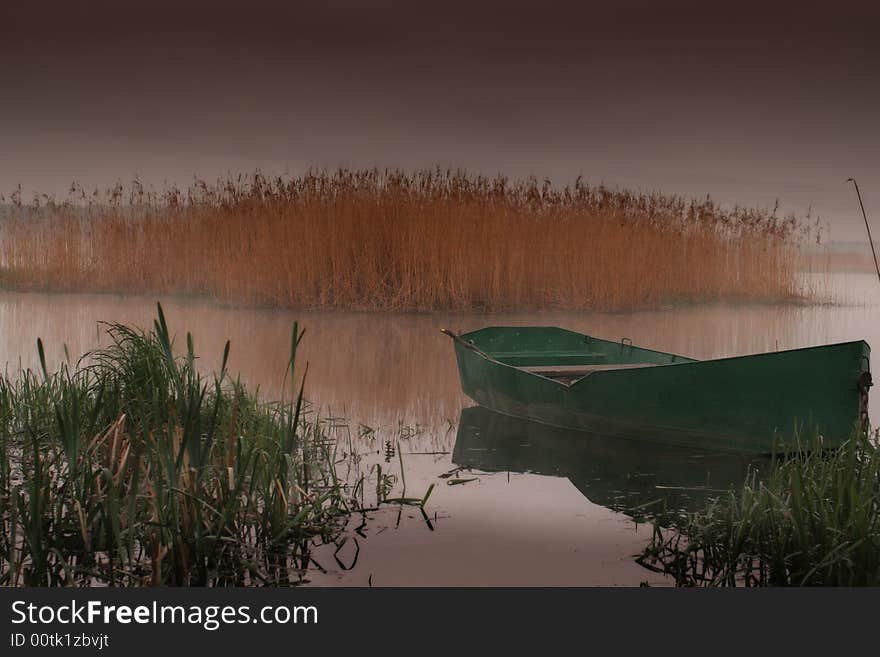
{"points": [[563, 355]]}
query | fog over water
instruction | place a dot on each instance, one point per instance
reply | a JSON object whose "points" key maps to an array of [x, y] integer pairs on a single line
{"points": [[749, 103]]}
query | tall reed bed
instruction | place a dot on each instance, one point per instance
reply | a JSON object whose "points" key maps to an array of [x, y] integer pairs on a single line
{"points": [[813, 519], [396, 241], [131, 468]]}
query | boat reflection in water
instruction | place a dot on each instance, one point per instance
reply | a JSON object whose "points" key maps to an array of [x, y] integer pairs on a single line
{"points": [[643, 480]]}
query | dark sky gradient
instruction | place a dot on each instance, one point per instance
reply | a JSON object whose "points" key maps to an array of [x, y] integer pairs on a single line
{"points": [[750, 101]]}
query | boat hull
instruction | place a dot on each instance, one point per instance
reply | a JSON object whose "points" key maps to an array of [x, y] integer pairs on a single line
{"points": [[778, 401]]}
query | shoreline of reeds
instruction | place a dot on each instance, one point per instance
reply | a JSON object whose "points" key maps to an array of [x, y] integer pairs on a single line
{"points": [[810, 519], [129, 467], [392, 241]]}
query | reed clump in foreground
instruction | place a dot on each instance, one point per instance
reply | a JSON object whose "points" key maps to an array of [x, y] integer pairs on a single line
{"points": [[814, 519], [132, 469], [390, 240]]}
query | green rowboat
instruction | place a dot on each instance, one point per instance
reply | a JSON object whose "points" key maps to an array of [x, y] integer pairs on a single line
{"points": [[778, 401]]}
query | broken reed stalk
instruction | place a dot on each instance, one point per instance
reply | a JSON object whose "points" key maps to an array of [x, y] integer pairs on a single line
{"points": [[867, 225]]}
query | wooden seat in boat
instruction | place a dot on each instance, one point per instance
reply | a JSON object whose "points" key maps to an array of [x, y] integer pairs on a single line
{"points": [[578, 371]]}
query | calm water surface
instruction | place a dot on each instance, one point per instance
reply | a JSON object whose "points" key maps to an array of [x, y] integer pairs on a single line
{"points": [[535, 506]]}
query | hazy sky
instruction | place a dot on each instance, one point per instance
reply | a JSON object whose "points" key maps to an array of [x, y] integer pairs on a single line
{"points": [[748, 101]]}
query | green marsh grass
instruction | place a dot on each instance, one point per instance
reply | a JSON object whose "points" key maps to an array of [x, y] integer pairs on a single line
{"points": [[810, 519], [132, 468]]}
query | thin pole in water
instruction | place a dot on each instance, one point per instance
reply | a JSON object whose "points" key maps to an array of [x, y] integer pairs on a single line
{"points": [[867, 227]]}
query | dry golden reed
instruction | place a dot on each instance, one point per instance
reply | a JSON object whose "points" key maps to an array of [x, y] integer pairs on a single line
{"points": [[390, 240]]}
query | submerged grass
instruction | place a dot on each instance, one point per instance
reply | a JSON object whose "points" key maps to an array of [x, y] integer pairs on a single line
{"points": [[131, 468], [389, 240], [813, 519]]}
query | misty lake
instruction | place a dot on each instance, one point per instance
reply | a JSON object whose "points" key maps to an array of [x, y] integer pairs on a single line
{"points": [[512, 505]]}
